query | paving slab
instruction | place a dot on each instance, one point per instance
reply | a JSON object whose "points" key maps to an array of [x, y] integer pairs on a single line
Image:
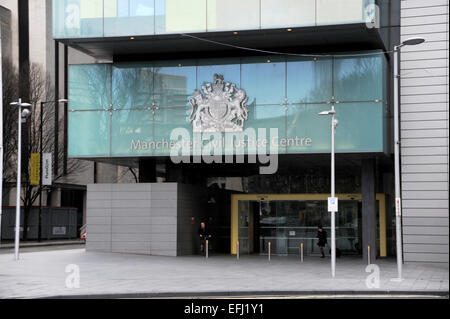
{"points": [[50, 273]]}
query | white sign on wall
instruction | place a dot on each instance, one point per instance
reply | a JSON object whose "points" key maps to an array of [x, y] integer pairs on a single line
{"points": [[61, 230], [46, 168]]}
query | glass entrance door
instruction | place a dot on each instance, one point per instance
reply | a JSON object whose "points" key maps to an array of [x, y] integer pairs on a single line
{"points": [[248, 226], [243, 221], [271, 230], [286, 224]]}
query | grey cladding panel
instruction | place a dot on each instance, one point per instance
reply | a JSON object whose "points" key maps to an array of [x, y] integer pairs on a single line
{"points": [[424, 130], [132, 218], [427, 249], [426, 257], [425, 239]]}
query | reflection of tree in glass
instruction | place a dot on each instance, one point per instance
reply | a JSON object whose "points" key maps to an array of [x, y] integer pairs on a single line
{"points": [[320, 88], [91, 89], [143, 87], [132, 87], [131, 90], [357, 78], [351, 75], [354, 80]]}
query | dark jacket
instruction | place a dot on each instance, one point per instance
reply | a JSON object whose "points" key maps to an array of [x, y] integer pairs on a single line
{"points": [[322, 238], [203, 233]]}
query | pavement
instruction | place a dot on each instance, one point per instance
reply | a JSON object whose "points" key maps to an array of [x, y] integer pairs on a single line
{"points": [[9, 250], [53, 273], [43, 243]]}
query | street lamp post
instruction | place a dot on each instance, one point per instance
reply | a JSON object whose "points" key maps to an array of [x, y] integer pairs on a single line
{"points": [[398, 209], [334, 124], [22, 114], [40, 163]]}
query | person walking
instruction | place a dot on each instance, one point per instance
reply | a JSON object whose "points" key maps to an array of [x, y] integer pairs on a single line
{"points": [[204, 236], [322, 236]]}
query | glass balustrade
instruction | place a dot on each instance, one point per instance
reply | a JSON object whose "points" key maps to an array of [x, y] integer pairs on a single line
{"points": [[113, 18]]}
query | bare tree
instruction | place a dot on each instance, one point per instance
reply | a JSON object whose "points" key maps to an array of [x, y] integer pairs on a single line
{"points": [[39, 89], [10, 93]]}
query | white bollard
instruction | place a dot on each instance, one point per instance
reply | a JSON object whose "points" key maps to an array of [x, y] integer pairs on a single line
{"points": [[269, 249], [207, 249]]}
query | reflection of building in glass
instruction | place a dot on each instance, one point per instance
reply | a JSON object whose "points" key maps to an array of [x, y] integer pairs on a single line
{"points": [[170, 90]]}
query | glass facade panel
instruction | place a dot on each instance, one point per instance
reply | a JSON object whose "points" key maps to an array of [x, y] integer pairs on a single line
{"points": [[109, 18], [369, 136], [264, 82], [309, 80], [91, 22], [132, 85], [359, 78], [78, 18], [167, 119], [339, 12], [60, 28], [132, 132], [89, 133], [160, 16], [174, 83], [175, 16], [226, 15], [308, 132], [129, 17], [267, 117], [90, 87], [287, 13]]}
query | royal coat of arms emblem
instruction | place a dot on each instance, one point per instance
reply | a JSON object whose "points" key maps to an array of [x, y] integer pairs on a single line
{"points": [[221, 108]]}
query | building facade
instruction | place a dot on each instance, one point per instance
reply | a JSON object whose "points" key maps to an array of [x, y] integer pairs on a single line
{"points": [[193, 93]]}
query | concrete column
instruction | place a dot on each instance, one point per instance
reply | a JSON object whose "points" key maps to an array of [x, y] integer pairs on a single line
{"points": [[368, 208], [106, 173], [11, 201], [55, 200]]}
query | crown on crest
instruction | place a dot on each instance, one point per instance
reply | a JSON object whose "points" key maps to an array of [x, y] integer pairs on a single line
{"points": [[218, 81]]}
